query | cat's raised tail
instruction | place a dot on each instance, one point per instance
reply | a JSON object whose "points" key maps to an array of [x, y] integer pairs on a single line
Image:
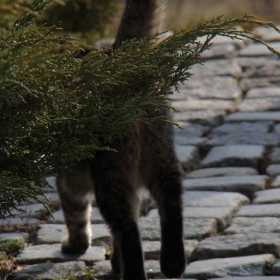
{"points": [[141, 18]]}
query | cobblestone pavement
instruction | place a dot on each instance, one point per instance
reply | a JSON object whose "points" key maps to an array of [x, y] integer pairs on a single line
{"points": [[230, 151]]}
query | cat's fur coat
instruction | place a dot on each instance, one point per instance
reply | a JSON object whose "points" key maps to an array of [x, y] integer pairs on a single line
{"points": [[145, 158]]}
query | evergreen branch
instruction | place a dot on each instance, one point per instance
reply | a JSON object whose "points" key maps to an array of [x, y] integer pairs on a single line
{"points": [[57, 109]]}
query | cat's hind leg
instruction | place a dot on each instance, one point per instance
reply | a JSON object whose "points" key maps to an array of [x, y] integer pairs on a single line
{"points": [[75, 192], [166, 191], [117, 200], [127, 256]]}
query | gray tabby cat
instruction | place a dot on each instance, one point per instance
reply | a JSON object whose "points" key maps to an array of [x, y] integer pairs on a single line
{"points": [[145, 158]]}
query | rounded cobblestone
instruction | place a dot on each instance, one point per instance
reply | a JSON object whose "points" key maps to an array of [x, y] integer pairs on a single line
{"points": [[229, 141]]}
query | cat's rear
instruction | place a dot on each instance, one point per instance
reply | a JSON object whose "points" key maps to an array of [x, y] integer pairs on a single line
{"points": [[145, 158]]}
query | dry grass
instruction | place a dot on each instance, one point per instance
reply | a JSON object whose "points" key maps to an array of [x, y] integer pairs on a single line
{"points": [[186, 13]]}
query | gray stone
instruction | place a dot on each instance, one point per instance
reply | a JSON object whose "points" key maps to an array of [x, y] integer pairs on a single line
{"points": [[193, 228], [59, 218], [102, 268], [221, 171], [244, 127], [260, 104], [178, 95], [46, 252], [100, 234], [267, 35], [36, 210], [22, 236], [221, 67], [253, 116], [223, 215], [259, 67], [260, 210], [223, 40], [240, 138], [152, 269], [244, 184], [249, 64], [190, 129], [190, 246], [263, 93], [249, 225], [51, 181], [214, 199], [49, 271], [204, 117], [199, 228], [16, 213], [22, 224], [249, 278], [276, 269], [234, 155], [267, 196], [238, 266], [275, 183], [187, 155], [243, 133], [151, 249], [149, 229], [274, 157], [189, 141], [259, 82], [204, 104], [224, 88], [96, 216], [236, 245], [277, 129], [51, 197], [220, 51], [259, 49], [189, 133], [273, 169], [49, 234], [52, 233]]}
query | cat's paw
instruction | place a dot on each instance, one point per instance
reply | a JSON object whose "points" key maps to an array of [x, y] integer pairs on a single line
{"points": [[77, 247], [173, 264]]}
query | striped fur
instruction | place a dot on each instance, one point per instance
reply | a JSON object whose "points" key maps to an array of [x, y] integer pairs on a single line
{"points": [[145, 158]]}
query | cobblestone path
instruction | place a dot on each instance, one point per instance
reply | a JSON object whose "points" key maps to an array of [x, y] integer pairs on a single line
{"points": [[230, 151]]}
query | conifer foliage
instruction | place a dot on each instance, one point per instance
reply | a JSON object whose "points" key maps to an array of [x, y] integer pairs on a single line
{"points": [[57, 109], [85, 19]]}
